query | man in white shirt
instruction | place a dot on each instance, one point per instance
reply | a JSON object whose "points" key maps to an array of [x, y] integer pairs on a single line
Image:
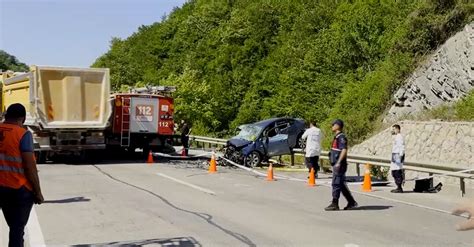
{"points": [[398, 157], [313, 137]]}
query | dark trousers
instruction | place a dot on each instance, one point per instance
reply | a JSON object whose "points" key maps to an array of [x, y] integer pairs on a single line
{"points": [[185, 143], [398, 175], [16, 205], [339, 186], [312, 162]]}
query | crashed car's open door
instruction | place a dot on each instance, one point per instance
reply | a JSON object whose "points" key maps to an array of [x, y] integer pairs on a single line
{"points": [[277, 145]]}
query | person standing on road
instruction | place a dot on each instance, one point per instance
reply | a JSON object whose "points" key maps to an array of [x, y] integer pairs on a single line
{"points": [[338, 159], [19, 181], [313, 137], [185, 131], [398, 157]]}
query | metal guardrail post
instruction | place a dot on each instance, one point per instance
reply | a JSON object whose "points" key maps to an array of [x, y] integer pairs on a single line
{"points": [[292, 159], [462, 185]]}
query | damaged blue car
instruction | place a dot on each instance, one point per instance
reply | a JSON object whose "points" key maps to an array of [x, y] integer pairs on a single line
{"points": [[259, 141]]}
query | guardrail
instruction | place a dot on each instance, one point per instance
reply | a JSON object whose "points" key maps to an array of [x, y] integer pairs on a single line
{"points": [[431, 168], [208, 140]]}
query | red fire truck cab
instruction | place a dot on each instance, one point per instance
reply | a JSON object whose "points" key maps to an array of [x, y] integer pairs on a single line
{"points": [[142, 118]]}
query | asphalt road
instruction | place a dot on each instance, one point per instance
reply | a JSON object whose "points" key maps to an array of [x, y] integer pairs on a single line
{"points": [[180, 204]]}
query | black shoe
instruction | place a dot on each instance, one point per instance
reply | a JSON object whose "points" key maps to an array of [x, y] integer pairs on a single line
{"points": [[398, 190], [332, 207], [351, 205], [438, 187]]}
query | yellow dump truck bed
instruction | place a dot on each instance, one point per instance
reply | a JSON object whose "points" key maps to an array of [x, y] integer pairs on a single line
{"points": [[60, 97]]}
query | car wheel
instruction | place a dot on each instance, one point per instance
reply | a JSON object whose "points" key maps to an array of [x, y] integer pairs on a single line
{"points": [[253, 159], [301, 142]]}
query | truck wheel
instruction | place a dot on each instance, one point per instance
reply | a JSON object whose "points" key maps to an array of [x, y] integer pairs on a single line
{"points": [[83, 156], [40, 157], [131, 154], [168, 149], [93, 156]]}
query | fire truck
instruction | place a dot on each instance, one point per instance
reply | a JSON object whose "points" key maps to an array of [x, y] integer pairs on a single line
{"points": [[141, 119]]}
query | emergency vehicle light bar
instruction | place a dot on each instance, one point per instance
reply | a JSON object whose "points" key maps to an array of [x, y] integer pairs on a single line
{"points": [[154, 89]]}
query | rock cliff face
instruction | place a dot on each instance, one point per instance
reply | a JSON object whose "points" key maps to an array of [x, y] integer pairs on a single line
{"points": [[446, 77], [446, 143]]}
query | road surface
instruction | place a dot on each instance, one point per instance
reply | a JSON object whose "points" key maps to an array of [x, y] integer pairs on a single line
{"points": [[180, 204]]}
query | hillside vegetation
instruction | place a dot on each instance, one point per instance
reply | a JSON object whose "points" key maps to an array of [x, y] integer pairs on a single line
{"points": [[462, 110], [9, 62], [238, 61]]}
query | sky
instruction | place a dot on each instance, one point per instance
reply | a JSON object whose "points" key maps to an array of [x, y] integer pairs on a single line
{"points": [[72, 32]]}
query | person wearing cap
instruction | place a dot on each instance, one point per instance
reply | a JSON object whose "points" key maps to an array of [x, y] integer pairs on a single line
{"points": [[313, 136], [19, 182], [338, 159]]}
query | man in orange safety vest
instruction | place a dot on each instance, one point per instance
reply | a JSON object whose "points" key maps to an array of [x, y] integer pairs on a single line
{"points": [[19, 182]]}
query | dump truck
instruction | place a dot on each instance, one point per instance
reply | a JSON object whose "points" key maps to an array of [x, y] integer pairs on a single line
{"points": [[141, 119], [67, 108]]}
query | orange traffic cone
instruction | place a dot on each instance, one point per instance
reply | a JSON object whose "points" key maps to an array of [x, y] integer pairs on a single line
{"points": [[212, 164], [270, 173], [311, 179], [150, 158], [367, 185]]}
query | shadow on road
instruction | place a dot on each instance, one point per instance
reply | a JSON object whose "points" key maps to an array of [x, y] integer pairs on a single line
{"points": [[180, 241], [68, 200], [375, 207]]}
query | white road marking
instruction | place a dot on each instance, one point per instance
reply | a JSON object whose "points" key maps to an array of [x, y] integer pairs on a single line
{"points": [[3, 231], [351, 245], [210, 192], [35, 235]]}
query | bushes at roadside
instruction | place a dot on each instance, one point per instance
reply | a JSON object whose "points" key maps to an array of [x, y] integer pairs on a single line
{"points": [[465, 108]]}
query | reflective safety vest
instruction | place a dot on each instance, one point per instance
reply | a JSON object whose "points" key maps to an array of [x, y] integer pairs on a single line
{"points": [[336, 150], [12, 173]]}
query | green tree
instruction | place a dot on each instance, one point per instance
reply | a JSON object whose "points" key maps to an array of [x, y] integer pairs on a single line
{"points": [[9, 62], [239, 61]]}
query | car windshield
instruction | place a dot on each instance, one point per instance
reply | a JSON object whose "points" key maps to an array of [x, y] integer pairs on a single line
{"points": [[249, 132]]}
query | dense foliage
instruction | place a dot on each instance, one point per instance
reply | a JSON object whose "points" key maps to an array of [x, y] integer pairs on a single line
{"points": [[465, 108], [238, 61], [462, 110], [9, 62]]}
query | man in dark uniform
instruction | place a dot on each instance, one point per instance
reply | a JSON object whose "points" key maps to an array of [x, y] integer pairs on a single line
{"points": [[185, 131], [338, 159]]}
